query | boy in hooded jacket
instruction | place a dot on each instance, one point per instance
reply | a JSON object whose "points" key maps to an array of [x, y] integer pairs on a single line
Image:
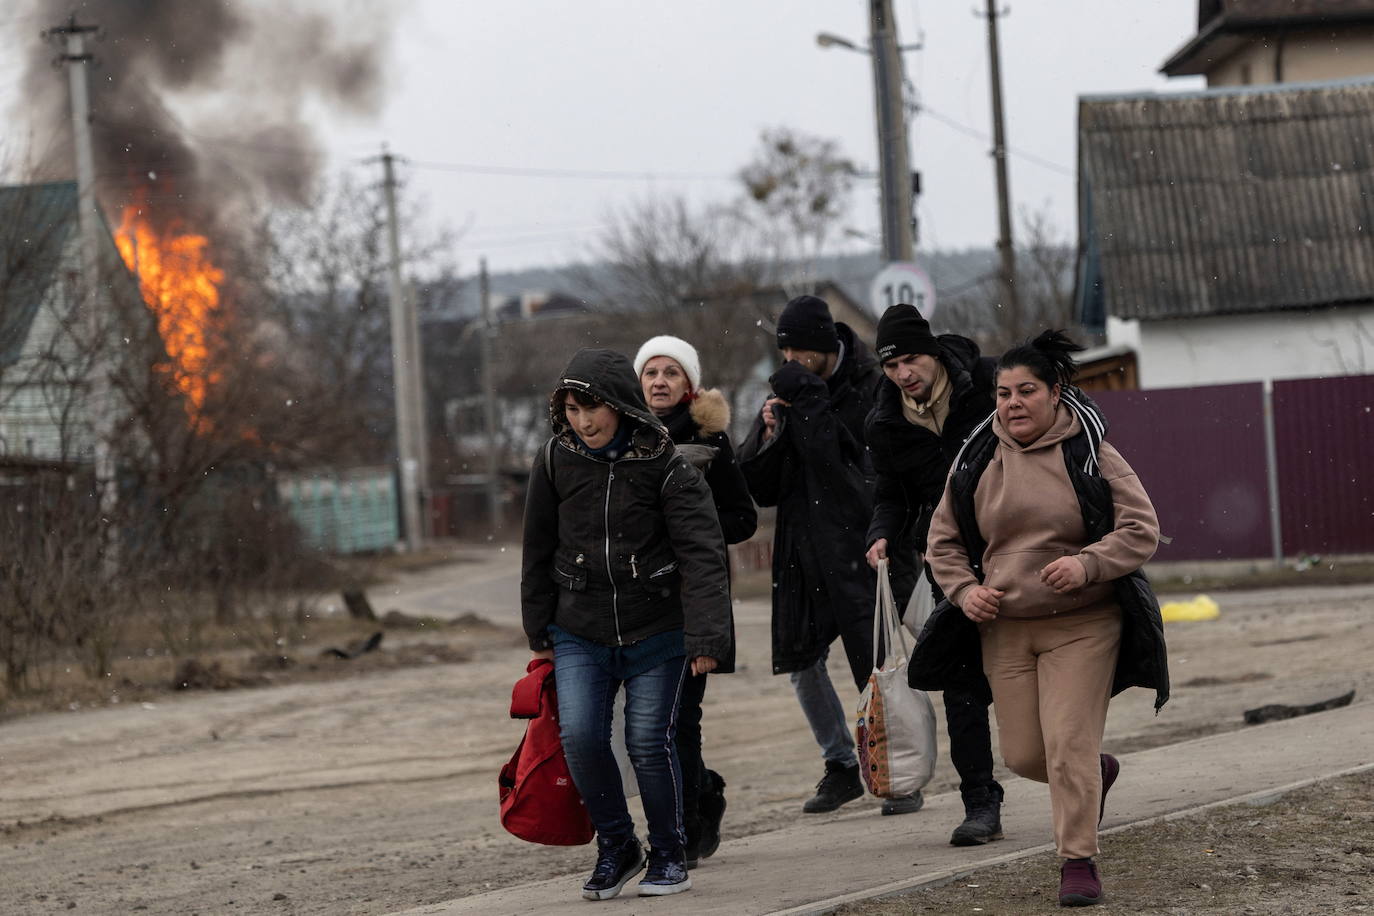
{"points": [[623, 584]]}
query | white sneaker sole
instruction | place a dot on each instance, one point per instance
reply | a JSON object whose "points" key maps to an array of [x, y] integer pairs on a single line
{"points": [[662, 890]]}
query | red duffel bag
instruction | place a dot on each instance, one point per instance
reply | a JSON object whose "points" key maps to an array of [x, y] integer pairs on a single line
{"points": [[539, 802]]}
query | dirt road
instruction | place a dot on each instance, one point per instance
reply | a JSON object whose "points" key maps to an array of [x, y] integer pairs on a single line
{"points": [[374, 794]]}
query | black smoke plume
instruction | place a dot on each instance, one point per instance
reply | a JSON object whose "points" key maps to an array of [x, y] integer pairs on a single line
{"points": [[200, 109]]}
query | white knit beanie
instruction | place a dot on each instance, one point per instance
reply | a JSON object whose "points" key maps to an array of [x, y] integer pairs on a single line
{"points": [[674, 348]]}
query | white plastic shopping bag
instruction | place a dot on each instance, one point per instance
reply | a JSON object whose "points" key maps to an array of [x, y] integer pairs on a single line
{"points": [[895, 729]]}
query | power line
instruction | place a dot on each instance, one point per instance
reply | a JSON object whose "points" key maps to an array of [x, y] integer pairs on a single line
{"points": [[973, 132], [592, 174]]}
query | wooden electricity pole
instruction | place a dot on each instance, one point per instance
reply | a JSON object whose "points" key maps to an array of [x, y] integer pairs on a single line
{"points": [[96, 316], [1007, 271], [405, 368]]}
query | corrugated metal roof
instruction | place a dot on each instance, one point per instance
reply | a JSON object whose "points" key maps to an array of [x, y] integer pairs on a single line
{"points": [[35, 221], [1226, 201]]}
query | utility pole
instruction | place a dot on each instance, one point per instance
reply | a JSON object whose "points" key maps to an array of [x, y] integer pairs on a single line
{"points": [[101, 409], [893, 168], [1007, 273], [489, 406], [415, 356], [403, 366]]}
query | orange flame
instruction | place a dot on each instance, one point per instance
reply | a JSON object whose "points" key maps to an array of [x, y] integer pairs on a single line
{"points": [[181, 285]]}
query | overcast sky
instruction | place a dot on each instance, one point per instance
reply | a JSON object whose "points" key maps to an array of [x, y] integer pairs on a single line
{"points": [[681, 90]]}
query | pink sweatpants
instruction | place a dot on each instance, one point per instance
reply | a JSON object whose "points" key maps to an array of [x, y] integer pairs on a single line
{"points": [[1051, 679]]}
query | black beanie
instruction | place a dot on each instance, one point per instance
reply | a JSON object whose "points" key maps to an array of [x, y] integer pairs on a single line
{"points": [[805, 324], [902, 331]]}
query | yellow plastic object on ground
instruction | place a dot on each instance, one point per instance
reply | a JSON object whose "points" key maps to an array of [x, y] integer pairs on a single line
{"points": [[1200, 608]]}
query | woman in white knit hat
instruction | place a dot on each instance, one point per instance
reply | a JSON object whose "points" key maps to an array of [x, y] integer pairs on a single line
{"points": [[669, 371]]}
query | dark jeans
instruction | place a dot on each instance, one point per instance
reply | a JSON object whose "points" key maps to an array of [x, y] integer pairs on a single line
{"points": [[966, 711], [689, 750], [586, 695]]}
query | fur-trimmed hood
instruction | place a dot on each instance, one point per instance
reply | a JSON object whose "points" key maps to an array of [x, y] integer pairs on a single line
{"points": [[711, 412]]}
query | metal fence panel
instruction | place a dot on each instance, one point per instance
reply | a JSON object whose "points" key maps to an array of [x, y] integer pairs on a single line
{"points": [[1200, 454], [349, 510], [1325, 430]]}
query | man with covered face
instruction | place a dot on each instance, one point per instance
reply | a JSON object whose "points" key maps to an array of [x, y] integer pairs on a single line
{"points": [[937, 389], [806, 456]]}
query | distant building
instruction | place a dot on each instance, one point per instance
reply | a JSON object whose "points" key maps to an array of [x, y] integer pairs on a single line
{"points": [[1225, 235], [1255, 42]]}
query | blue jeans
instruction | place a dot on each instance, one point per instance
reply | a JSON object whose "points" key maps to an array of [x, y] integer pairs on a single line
{"points": [[586, 695], [824, 712]]}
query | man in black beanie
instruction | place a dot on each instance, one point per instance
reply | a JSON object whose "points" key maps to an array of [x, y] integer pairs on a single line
{"points": [[806, 455], [936, 391]]}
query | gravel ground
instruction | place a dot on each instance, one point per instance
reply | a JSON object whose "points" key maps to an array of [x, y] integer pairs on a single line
{"points": [[1306, 853]]}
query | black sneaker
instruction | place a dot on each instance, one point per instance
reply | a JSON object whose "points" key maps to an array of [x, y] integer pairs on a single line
{"points": [[691, 853], [667, 874], [905, 804], [711, 808], [617, 861], [982, 817], [839, 785]]}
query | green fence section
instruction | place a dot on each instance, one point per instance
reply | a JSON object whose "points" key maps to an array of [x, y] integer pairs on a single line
{"points": [[343, 511]]}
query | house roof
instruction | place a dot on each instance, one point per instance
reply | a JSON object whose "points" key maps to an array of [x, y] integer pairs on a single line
{"points": [[1225, 26], [35, 221], [1225, 201]]}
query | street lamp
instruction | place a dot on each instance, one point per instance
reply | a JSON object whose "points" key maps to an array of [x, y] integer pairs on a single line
{"points": [[831, 40], [893, 169]]}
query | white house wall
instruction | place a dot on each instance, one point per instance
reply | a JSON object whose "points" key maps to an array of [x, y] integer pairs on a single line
{"points": [[1250, 348]]}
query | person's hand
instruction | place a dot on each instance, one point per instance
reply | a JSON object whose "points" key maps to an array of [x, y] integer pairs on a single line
{"points": [[770, 419], [982, 602], [703, 664], [544, 653], [793, 379], [877, 552], [1064, 575]]}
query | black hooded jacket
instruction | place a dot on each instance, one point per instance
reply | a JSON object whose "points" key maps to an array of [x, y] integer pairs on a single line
{"points": [[911, 461], [816, 470], [702, 424], [619, 550]]}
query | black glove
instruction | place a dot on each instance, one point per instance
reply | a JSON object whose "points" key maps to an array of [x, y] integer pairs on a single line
{"points": [[793, 381]]}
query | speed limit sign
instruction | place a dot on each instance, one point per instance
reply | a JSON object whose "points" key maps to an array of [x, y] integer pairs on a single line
{"points": [[902, 281]]}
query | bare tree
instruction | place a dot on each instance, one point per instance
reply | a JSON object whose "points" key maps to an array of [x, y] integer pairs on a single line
{"points": [[797, 192], [1044, 276]]}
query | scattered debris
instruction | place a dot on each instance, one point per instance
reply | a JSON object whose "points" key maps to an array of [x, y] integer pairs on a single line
{"points": [[359, 608], [354, 649], [398, 620], [193, 674], [1212, 681], [1274, 712], [1200, 608]]}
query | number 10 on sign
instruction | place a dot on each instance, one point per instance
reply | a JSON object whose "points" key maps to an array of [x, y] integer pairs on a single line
{"points": [[902, 281]]}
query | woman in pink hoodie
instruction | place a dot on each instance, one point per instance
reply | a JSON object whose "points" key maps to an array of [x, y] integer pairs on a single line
{"points": [[1040, 522]]}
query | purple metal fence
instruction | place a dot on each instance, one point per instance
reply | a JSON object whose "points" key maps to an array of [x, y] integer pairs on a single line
{"points": [[1200, 454], [1325, 432]]}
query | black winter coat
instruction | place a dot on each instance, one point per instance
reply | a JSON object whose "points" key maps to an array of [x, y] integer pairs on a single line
{"points": [[699, 433], [912, 462], [703, 423], [817, 471], [619, 550], [949, 652]]}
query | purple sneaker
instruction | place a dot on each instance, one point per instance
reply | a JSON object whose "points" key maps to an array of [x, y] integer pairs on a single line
{"points": [[1111, 768], [1079, 883]]}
